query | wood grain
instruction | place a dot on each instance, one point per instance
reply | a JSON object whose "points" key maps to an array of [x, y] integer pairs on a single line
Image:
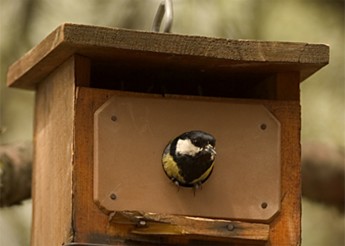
{"points": [[284, 228], [53, 156], [112, 44], [152, 224], [73, 56], [86, 222]]}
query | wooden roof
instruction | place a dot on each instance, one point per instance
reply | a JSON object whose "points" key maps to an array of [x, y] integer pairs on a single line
{"points": [[113, 44]]}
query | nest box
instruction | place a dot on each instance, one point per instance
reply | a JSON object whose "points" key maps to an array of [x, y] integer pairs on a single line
{"points": [[108, 101]]}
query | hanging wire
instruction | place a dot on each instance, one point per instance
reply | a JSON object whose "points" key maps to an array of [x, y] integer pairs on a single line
{"points": [[164, 8]]}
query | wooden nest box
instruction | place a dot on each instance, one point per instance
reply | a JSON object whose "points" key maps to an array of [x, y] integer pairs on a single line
{"points": [[108, 101]]}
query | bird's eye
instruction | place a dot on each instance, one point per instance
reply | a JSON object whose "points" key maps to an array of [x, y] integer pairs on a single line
{"points": [[194, 141]]}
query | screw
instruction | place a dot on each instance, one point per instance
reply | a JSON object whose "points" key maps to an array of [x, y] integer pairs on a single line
{"points": [[113, 118], [142, 223], [263, 126], [264, 205], [230, 227], [113, 196]]}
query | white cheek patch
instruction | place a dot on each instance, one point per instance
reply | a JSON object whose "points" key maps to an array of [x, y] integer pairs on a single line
{"points": [[185, 147]]}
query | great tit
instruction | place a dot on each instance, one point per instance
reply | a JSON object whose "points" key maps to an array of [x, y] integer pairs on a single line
{"points": [[189, 158]]}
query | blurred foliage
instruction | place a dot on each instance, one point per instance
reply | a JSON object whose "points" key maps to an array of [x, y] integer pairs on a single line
{"points": [[25, 22], [322, 225]]}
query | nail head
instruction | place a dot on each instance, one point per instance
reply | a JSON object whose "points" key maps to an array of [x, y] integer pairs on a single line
{"points": [[263, 126], [230, 227], [142, 223], [264, 205]]}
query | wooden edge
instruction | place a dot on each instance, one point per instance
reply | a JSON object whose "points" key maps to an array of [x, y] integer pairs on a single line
{"points": [[69, 39], [42, 59], [152, 224]]}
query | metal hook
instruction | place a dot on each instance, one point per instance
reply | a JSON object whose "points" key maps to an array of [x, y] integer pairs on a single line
{"points": [[165, 7]]}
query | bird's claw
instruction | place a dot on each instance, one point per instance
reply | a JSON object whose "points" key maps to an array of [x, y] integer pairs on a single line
{"points": [[197, 186], [176, 183]]}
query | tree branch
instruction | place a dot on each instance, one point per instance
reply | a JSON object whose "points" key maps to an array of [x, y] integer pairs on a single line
{"points": [[15, 173], [323, 172]]}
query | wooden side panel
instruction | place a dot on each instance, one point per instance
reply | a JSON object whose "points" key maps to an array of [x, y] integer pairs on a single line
{"points": [[286, 227], [287, 86], [82, 70], [52, 171], [93, 226], [90, 223]]}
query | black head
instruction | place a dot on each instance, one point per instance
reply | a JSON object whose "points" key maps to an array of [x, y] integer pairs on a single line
{"points": [[194, 142], [199, 138]]}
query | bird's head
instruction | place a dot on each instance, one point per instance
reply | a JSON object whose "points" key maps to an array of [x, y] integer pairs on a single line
{"points": [[196, 143]]}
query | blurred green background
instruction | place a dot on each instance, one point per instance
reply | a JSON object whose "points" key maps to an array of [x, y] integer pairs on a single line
{"points": [[26, 22]]}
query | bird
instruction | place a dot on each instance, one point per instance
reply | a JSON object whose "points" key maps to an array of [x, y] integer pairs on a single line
{"points": [[188, 159]]}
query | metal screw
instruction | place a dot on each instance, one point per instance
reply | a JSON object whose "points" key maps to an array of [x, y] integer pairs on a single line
{"points": [[113, 118], [142, 223], [230, 227], [113, 196], [264, 205], [263, 126]]}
